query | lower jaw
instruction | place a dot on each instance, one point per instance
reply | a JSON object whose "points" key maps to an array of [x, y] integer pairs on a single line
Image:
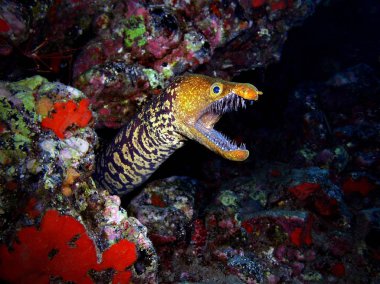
{"points": [[230, 152], [236, 155]]}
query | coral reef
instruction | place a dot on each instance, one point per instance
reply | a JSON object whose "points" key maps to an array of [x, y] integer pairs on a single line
{"points": [[146, 43], [287, 233], [27, 149], [47, 156], [166, 207]]}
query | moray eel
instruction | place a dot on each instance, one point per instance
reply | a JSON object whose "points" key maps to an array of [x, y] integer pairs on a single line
{"points": [[188, 109]]}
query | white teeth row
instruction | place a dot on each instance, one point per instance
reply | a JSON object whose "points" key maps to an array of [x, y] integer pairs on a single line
{"points": [[220, 139], [228, 103]]}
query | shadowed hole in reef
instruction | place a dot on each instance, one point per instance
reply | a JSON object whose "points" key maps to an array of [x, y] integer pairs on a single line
{"points": [[142, 262]]}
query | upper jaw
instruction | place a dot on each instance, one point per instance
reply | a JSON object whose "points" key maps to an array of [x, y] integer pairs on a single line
{"points": [[246, 91]]}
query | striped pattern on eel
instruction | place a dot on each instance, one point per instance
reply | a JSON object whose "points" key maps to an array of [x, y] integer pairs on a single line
{"points": [[187, 109]]}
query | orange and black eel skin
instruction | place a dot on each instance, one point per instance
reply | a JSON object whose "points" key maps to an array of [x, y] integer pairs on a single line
{"points": [[187, 109]]}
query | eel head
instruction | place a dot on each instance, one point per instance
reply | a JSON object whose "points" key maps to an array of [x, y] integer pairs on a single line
{"points": [[200, 101]]}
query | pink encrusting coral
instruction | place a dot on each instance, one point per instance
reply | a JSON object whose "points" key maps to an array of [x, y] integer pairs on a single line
{"points": [[61, 249]]}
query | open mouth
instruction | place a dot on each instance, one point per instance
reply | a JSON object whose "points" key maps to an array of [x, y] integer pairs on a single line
{"points": [[212, 114]]}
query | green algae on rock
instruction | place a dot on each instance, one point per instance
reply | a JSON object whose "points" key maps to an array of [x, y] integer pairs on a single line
{"points": [[44, 170], [23, 141]]}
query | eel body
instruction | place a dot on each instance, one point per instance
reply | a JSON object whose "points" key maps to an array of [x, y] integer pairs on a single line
{"points": [[187, 109]]}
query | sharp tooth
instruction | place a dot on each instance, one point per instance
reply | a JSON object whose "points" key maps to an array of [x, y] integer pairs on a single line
{"points": [[226, 104]]}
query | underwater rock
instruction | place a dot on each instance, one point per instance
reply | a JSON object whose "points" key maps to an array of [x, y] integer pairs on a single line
{"points": [[47, 156], [263, 41], [17, 21], [37, 37], [170, 37], [153, 41], [338, 120], [151, 33], [281, 221], [369, 230], [114, 223], [117, 90], [361, 189], [246, 267], [359, 83], [33, 158], [166, 208], [20, 20]]}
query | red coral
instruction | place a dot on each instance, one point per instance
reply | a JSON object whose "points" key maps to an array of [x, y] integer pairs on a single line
{"points": [[274, 4], [3, 127], [161, 240], [308, 238], [275, 173], [66, 114], [257, 3], [361, 185], [247, 226], [61, 248], [296, 236], [338, 270], [300, 236], [199, 236], [122, 277], [157, 200], [121, 252], [215, 10], [4, 26], [279, 5], [321, 203], [304, 190]]}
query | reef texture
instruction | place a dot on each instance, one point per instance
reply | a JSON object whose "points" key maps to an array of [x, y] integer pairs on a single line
{"points": [[140, 45], [167, 208], [55, 223], [39, 37], [122, 52]]}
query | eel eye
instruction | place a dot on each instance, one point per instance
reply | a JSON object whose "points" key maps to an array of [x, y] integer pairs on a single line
{"points": [[216, 89]]}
